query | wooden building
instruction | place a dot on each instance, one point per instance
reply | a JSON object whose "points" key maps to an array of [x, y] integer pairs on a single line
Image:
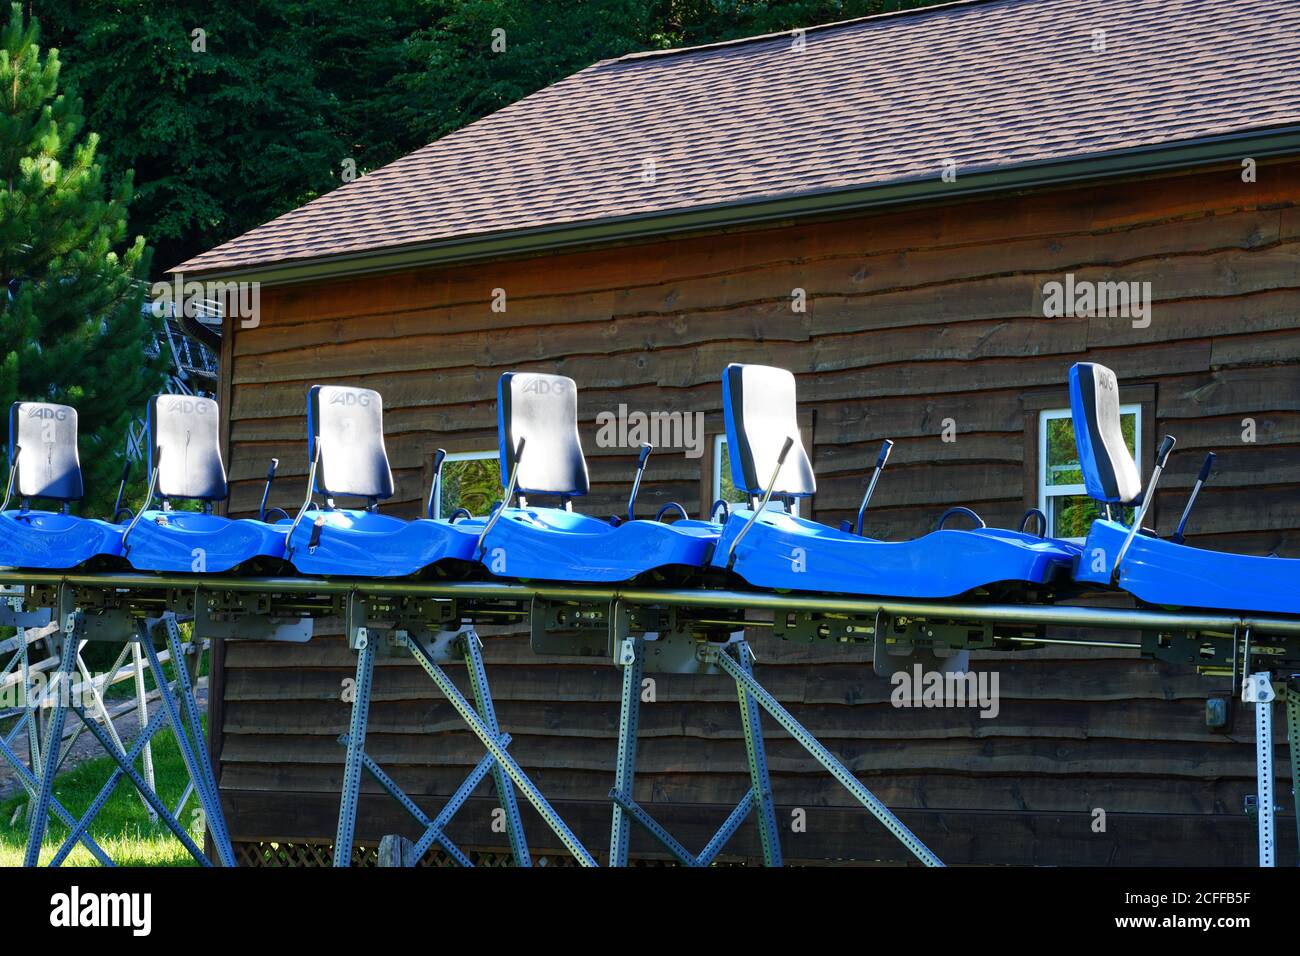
{"points": [[883, 211]]}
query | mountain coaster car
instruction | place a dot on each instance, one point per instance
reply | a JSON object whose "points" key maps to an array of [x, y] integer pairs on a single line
{"points": [[537, 430], [44, 463], [345, 428], [185, 462], [772, 549], [1156, 571]]}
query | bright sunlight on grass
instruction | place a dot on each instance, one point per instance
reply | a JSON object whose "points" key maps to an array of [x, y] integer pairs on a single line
{"points": [[122, 827]]}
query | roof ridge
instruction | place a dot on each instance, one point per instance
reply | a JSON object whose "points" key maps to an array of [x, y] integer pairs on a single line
{"points": [[818, 27]]}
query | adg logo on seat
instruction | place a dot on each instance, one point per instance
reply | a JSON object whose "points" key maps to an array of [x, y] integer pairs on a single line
{"points": [[186, 406], [348, 399], [47, 413], [537, 385], [75, 909]]}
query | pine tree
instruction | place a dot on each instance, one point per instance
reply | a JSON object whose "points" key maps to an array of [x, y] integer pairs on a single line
{"points": [[71, 325]]}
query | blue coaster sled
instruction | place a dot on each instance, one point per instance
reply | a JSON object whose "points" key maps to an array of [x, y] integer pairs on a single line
{"points": [[44, 464], [1158, 571], [345, 428], [541, 454], [185, 464], [773, 549]]}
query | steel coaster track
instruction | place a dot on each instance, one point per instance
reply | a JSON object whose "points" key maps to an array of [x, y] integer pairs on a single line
{"points": [[1220, 623]]}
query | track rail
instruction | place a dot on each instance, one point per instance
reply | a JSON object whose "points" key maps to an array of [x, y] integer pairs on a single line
{"points": [[1205, 622]]}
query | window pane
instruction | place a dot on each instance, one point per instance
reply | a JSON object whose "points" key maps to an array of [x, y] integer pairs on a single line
{"points": [[1071, 516], [473, 484], [1062, 466], [728, 490]]}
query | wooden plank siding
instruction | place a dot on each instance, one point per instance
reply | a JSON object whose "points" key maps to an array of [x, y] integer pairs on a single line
{"points": [[913, 316]]}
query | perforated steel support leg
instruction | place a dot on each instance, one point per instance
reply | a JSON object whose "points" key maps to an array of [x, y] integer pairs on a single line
{"points": [[25, 774], [630, 657], [195, 753], [1258, 690], [751, 719], [30, 717], [356, 748], [32, 786], [126, 766], [142, 709], [1293, 745], [433, 829], [54, 737], [364, 641], [493, 745], [824, 757], [487, 710]]}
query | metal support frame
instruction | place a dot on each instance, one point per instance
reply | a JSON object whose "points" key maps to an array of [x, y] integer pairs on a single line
{"points": [[1258, 690], [181, 716], [481, 719], [631, 657], [12, 614], [125, 767], [1209, 640], [735, 659], [760, 784], [195, 752], [38, 815], [34, 702], [493, 746], [744, 678], [1291, 691], [1219, 625]]}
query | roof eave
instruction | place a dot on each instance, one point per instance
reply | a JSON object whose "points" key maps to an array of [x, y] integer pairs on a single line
{"points": [[1187, 154]]}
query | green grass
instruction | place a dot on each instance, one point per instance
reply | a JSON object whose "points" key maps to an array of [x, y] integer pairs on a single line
{"points": [[122, 828]]}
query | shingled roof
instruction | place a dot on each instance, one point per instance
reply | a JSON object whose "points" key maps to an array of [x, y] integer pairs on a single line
{"points": [[992, 85]]}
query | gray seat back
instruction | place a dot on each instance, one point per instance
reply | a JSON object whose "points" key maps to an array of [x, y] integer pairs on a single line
{"points": [[185, 447], [349, 423], [1109, 472], [542, 410], [48, 464], [760, 409]]}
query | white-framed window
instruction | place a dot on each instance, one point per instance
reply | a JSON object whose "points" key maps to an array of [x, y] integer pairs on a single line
{"points": [[470, 480], [725, 488], [1062, 496]]}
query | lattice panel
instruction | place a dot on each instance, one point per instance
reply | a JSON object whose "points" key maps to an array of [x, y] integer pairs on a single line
{"points": [[322, 854]]}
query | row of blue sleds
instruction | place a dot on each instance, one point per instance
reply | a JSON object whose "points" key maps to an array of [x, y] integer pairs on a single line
{"points": [[763, 544]]}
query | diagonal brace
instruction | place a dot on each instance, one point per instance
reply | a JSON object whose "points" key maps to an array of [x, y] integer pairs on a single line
{"points": [[82, 825], [746, 682], [656, 830], [31, 784], [197, 760], [126, 766], [507, 762], [433, 828]]}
